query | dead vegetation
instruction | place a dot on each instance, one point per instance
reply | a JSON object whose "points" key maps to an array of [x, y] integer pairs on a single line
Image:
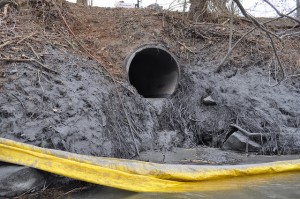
{"points": [[224, 48], [105, 34], [225, 45]]}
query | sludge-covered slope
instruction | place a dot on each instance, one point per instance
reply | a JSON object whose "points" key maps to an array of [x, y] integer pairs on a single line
{"points": [[82, 110]]}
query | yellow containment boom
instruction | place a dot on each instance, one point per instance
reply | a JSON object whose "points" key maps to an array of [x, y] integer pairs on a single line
{"points": [[130, 174]]}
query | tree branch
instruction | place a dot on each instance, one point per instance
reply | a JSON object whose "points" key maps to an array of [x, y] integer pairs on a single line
{"points": [[254, 21], [278, 60], [258, 25], [280, 14], [234, 128], [218, 69], [247, 133]]}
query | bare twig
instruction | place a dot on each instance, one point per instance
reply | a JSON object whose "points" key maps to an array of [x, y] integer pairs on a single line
{"points": [[129, 124], [6, 43], [76, 190], [290, 34], [231, 26], [19, 101], [225, 22], [235, 128], [27, 37], [124, 86], [269, 66], [218, 69], [281, 14], [247, 133], [187, 48], [32, 49], [271, 20], [254, 21], [277, 58], [28, 191], [230, 48], [45, 68], [38, 74]]}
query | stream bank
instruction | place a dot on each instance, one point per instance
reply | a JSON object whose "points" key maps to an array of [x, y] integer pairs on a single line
{"points": [[77, 107]]}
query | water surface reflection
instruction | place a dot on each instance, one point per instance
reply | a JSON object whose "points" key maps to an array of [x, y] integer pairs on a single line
{"points": [[285, 185]]}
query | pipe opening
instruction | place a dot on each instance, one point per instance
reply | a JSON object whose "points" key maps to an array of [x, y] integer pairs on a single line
{"points": [[153, 71]]}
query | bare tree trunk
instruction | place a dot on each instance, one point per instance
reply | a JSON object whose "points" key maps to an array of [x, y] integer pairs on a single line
{"points": [[82, 2], [202, 8], [198, 9], [222, 5], [298, 8], [184, 6]]}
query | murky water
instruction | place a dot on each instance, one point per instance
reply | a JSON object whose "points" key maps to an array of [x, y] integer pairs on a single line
{"points": [[285, 185]]}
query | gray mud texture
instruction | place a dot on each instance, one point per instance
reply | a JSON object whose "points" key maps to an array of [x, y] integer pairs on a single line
{"points": [[244, 97], [202, 155], [78, 111], [82, 111]]}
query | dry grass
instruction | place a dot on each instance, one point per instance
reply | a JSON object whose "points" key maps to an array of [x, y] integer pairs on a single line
{"points": [[110, 34]]}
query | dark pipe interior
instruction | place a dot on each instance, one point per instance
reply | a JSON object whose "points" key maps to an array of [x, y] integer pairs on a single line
{"points": [[154, 73]]}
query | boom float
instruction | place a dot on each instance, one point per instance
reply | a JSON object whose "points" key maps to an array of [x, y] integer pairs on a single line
{"points": [[134, 175]]}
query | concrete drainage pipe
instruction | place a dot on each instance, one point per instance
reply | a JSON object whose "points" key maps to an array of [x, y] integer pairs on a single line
{"points": [[153, 71]]}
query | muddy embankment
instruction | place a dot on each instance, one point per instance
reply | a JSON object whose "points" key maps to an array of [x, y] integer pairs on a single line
{"points": [[81, 111], [79, 108]]}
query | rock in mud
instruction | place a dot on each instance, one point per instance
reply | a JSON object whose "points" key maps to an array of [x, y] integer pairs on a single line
{"points": [[16, 180], [209, 101], [238, 141]]}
